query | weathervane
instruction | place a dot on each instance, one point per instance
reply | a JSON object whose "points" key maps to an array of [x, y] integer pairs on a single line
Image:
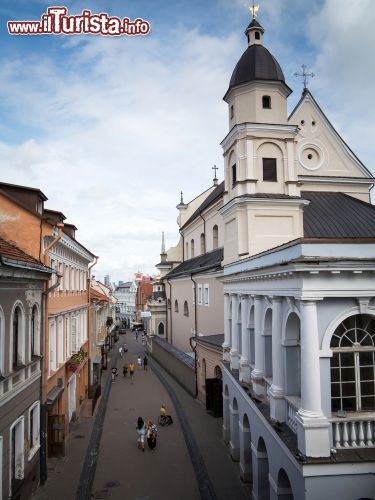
{"points": [[215, 178], [254, 10], [305, 75]]}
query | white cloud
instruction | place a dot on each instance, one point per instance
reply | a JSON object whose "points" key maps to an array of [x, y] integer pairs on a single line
{"points": [[112, 129]]}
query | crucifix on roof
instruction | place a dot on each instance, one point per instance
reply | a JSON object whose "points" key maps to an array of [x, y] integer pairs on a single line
{"points": [[305, 75], [254, 10]]}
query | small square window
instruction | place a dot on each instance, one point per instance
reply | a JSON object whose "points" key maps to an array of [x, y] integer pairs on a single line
{"points": [[266, 102], [269, 170]]}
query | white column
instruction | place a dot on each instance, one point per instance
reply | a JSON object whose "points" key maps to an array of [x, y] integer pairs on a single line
{"points": [[234, 356], [276, 392], [245, 341], [226, 344], [313, 426], [258, 371]]}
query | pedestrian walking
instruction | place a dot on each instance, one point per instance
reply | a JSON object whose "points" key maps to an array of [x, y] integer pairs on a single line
{"points": [[141, 431], [120, 350], [113, 373], [125, 348], [145, 362], [139, 362], [124, 370], [131, 370], [152, 433]]}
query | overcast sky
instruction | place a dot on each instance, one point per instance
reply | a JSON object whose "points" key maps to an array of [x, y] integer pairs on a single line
{"points": [[112, 129]]}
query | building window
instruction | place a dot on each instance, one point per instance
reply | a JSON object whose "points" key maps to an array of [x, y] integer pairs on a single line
{"points": [[34, 432], [203, 244], [74, 334], [200, 292], [215, 237], [186, 309], [206, 295], [257, 35], [353, 365], [176, 306], [192, 248], [187, 250], [17, 325], [161, 329], [52, 347], [34, 332], [234, 174], [269, 170], [231, 112], [17, 462], [266, 102], [67, 351]]}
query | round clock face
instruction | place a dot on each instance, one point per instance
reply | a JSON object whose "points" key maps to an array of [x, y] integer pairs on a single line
{"points": [[311, 156]]}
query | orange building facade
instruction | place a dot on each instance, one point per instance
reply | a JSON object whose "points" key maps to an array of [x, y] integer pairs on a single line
{"points": [[43, 234]]}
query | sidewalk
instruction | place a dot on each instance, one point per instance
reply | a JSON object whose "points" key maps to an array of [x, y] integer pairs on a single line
{"points": [[166, 473]]}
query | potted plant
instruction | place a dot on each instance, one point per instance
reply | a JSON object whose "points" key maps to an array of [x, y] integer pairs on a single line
{"points": [[77, 359]]}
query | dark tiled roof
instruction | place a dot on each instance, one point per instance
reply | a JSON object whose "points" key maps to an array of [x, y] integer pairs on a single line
{"points": [[214, 340], [209, 260], [337, 215], [13, 253], [215, 195], [256, 63]]}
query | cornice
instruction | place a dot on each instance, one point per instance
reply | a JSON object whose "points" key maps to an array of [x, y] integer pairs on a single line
{"points": [[252, 128], [261, 201]]}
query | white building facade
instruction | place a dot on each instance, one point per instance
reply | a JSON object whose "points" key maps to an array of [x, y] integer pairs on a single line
{"points": [[299, 293]]}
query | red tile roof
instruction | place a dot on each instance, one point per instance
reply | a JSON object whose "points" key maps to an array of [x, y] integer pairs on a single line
{"points": [[94, 294], [10, 251]]}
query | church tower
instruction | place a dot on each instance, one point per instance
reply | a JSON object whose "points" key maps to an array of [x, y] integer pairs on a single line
{"points": [[262, 208]]}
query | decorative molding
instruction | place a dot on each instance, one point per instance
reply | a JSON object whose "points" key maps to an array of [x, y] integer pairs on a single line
{"points": [[33, 296]]}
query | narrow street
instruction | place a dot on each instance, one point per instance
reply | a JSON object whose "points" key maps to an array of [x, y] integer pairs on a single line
{"points": [[190, 460]]}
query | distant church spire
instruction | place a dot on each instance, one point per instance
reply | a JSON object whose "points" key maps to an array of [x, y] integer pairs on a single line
{"points": [[215, 180]]}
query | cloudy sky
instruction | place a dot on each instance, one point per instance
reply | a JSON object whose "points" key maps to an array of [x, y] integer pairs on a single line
{"points": [[112, 129]]}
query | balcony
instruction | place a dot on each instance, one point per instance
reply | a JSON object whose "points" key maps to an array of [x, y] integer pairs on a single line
{"points": [[354, 431], [11, 384]]}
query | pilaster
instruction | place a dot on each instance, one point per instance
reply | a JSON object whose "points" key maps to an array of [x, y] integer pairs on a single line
{"points": [[276, 392], [234, 354], [226, 344], [245, 375], [258, 371]]}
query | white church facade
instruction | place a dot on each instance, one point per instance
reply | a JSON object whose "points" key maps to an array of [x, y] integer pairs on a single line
{"points": [[299, 293], [294, 279]]}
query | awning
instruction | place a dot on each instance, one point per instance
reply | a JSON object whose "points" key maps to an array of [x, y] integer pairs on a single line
{"points": [[54, 395]]}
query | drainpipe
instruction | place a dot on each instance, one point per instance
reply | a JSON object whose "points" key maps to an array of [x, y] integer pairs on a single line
{"points": [[195, 335], [43, 406], [59, 226], [170, 301]]}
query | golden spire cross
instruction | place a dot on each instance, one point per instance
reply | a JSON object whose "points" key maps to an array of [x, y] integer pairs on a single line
{"points": [[305, 75], [254, 10]]}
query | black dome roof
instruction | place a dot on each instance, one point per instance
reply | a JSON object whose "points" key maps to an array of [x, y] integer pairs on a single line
{"points": [[256, 63]]}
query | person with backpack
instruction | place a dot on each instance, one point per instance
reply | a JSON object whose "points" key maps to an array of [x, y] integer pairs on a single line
{"points": [[113, 373], [141, 431]]}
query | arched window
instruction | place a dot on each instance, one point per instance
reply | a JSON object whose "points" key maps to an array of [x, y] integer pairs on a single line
{"points": [[176, 306], [266, 101], [353, 365], [257, 35], [161, 329], [17, 325], [203, 244], [34, 348], [186, 309], [234, 174], [218, 373], [192, 248], [215, 237]]}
